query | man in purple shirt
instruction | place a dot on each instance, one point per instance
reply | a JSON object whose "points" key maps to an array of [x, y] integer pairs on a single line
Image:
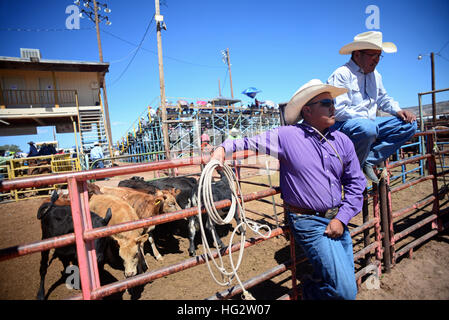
{"points": [[316, 165]]}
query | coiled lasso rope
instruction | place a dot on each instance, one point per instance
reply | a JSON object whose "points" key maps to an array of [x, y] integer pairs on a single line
{"points": [[205, 198]]}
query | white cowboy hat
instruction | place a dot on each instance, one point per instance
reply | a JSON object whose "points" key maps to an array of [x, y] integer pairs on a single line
{"points": [[233, 131], [307, 92], [368, 40]]}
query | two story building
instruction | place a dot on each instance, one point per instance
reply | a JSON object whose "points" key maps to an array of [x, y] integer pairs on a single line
{"points": [[65, 94]]}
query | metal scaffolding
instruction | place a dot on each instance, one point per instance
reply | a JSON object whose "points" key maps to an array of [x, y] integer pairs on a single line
{"points": [[186, 124]]}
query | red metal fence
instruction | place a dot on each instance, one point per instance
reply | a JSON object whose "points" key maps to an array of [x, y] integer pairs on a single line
{"points": [[376, 234]]}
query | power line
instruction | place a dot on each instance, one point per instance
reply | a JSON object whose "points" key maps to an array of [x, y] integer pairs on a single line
{"points": [[42, 29], [125, 57], [224, 82], [135, 53], [442, 57], [443, 47], [155, 53], [112, 35]]}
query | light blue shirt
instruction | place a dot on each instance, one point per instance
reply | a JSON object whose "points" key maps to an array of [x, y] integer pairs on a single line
{"points": [[96, 153], [365, 95]]}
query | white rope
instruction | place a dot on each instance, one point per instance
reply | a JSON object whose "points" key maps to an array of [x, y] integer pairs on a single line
{"points": [[205, 197]]}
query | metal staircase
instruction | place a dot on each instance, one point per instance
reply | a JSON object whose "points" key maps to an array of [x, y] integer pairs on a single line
{"points": [[92, 129]]}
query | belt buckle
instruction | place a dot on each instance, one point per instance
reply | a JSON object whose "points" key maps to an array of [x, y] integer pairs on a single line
{"points": [[331, 213]]}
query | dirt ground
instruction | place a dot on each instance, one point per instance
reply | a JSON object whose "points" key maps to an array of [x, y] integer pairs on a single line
{"points": [[423, 276]]}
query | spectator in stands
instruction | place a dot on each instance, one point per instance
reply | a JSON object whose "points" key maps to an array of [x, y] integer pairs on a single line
{"points": [[131, 138], [234, 133], [153, 113], [374, 138], [205, 138], [144, 123], [33, 150], [46, 150], [205, 143], [96, 154]]}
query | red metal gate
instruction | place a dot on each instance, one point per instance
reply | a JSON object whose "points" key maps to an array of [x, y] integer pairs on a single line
{"points": [[381, 225]]}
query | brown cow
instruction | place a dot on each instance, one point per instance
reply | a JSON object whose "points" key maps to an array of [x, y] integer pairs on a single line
{"points": [[130, 241], [169, 195], [64, 198], [146, 206]]}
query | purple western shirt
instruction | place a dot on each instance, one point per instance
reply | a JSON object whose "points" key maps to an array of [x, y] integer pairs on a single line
{"points": [[311, 174]]}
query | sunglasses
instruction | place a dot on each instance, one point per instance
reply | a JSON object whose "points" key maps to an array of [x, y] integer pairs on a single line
{"points": [[373, 55], [325, 103]]}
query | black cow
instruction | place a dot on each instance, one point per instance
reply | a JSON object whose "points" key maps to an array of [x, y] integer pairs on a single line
{"points": [[187, 198], [186, 185], [220, 191], [57, 221], [138, 183]]}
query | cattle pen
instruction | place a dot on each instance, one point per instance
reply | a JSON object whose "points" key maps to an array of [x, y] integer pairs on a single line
{"points": [[380, 234]]}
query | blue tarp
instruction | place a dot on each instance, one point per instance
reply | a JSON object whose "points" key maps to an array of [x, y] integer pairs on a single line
{"points": [[251, 92]]}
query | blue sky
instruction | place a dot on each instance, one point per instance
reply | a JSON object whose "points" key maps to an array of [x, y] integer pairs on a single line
{"points": [[275, 46]]}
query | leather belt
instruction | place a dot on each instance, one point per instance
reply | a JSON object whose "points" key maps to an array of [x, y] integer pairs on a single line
{"points": [[329, 214]]}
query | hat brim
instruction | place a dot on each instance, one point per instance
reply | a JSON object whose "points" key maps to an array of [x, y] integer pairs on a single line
{"points": [[292, 113], [388, 47]]}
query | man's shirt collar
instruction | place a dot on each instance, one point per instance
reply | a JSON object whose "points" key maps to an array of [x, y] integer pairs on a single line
{"points": [[354, 67], [307, 127]]}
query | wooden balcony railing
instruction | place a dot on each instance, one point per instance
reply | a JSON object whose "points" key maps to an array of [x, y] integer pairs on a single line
{"points": [[37, 98]]}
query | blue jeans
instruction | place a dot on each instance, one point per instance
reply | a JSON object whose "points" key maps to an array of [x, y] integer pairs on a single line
{"points": [[332, 259], [98, 164], [375, 140]]}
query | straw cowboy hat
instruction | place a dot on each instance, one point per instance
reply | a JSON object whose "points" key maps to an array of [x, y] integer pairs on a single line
{"points": [[306, 93], [368, 40]]}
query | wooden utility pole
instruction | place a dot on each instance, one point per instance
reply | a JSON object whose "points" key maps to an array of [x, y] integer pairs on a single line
{"points": [[159, 19], [100, 50], [229, 68], [434, 107], [105, 99]]}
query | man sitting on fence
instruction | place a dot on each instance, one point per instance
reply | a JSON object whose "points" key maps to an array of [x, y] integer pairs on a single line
{"points": [[33, 150], [375, 138], [315, 164]]}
